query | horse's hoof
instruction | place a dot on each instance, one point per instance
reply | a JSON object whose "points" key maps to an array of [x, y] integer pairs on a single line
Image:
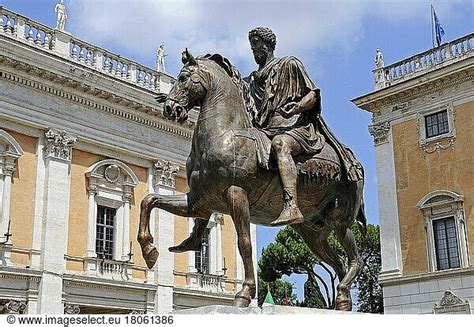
{"points": [[241, 302], [151, 257], [344, 305]]}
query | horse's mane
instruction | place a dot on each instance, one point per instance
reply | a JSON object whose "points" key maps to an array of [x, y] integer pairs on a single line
{"points": [[234, 74]]}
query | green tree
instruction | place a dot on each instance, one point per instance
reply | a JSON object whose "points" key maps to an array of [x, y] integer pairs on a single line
{"points": [[280, 289], [290, 255], [370, 293]]}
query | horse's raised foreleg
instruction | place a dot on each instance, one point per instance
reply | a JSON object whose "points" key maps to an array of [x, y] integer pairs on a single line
{"points": [[238, 204], [347, 240], [175, 204]]}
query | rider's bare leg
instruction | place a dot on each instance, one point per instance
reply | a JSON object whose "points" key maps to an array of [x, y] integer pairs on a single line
{"points": [[193, 242], [285, 148]]}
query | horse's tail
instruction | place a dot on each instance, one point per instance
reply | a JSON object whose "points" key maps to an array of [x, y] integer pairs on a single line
{"points": [[361, 219]]}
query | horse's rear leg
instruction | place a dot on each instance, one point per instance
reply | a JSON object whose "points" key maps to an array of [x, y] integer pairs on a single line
{"points": [[238, 204], [318, 244], [347, 240], [176, 204], [194, 240]]}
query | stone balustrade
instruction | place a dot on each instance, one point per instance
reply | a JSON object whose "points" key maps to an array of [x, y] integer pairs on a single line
{"points": [[23, 29], [206, 282], [110, 269], [423, 62]]}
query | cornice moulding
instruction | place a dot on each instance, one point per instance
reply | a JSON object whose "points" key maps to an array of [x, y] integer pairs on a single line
{"points": [[429, 82], [159, 124]]}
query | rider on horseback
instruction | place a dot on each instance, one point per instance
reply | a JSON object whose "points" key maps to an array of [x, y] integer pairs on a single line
{"points": [[287, 109], [288, 106]]}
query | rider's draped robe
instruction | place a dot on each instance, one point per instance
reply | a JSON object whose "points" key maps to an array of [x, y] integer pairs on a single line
{"points": [[284, 80]]}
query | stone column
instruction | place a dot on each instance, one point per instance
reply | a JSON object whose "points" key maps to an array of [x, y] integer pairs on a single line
{"points": [[191, 254], [219, 222], [164, 183], [91, 223], [39, 202], [58, 153], [388, 204], [8, 168], [126, 226]]}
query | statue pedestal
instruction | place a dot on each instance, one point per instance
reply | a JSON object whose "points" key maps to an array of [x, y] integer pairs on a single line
{"points": [[267, 310]]}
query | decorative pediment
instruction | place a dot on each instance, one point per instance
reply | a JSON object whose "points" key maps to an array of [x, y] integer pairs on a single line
{"points": [[112, 176], [439, 197]]}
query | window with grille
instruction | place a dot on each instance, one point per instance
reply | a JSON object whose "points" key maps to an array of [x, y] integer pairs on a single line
{"points": [[437, 124], [446, 244], [104, 244], [202, 257]]}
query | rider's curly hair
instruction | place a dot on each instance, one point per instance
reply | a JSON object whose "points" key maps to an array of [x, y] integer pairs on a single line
{"points": [[266, 34]]}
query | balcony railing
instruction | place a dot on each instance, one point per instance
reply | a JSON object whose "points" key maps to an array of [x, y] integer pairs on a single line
{"points": [[206, 282], [40, 36], [419, 64], [110, 269]]}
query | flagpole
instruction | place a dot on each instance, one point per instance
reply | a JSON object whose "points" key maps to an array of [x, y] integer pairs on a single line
{"points": [[432, 28]]}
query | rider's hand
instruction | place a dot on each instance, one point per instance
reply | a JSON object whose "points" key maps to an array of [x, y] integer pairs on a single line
{"points": [[288, 109]]}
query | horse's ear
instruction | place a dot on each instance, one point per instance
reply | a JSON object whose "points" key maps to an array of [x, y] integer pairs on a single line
{"points": [[187, 58]]}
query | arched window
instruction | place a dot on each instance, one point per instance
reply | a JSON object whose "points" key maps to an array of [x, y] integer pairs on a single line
{"points": [[445, 230], [10, 151], [110, 187]]}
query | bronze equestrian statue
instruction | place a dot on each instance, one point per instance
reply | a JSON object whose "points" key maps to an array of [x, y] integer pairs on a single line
{"points": [[255, 140]]}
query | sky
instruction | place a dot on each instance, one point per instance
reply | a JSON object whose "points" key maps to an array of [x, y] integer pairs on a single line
{"points": [[335, 39]]}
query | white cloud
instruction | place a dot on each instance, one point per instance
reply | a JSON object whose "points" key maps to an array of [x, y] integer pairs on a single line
{"points": [[139, 26]]}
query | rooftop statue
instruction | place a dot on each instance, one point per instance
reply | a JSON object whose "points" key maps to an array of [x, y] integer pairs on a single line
{"points": [[379, 63], [60, 9], [262, 153], [160, 58]]}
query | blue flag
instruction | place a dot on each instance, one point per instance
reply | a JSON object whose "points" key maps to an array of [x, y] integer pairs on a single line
{"points": [[438, 29]]}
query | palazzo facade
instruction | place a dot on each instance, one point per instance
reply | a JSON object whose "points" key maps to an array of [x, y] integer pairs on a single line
{"points": [[422, 123], [82, 142]]}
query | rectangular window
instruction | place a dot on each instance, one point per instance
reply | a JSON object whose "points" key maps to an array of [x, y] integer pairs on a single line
{"points": [[436, 124], [446, 243], [104, 243], [201, 261]]}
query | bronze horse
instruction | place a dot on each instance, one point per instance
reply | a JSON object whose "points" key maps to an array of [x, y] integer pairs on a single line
{"points": [[224, 176]]}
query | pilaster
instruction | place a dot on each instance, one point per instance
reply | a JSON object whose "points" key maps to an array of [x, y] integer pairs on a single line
{"points": [[91, 223], [58, 153], [388, 202], [39, 203], [164, 184]]}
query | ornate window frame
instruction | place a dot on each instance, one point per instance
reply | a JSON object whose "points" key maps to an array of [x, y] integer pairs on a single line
{"points": [[10, 151], [442, 204], [215, 244], [213, 281], [438, 142], [110, 183]]}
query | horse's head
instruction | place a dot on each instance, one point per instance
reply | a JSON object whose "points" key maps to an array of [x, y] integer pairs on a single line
{"points": [[187, 92]]}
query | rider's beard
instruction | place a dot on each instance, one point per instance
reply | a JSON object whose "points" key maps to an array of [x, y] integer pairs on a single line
{"points": [[260, 57]]}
